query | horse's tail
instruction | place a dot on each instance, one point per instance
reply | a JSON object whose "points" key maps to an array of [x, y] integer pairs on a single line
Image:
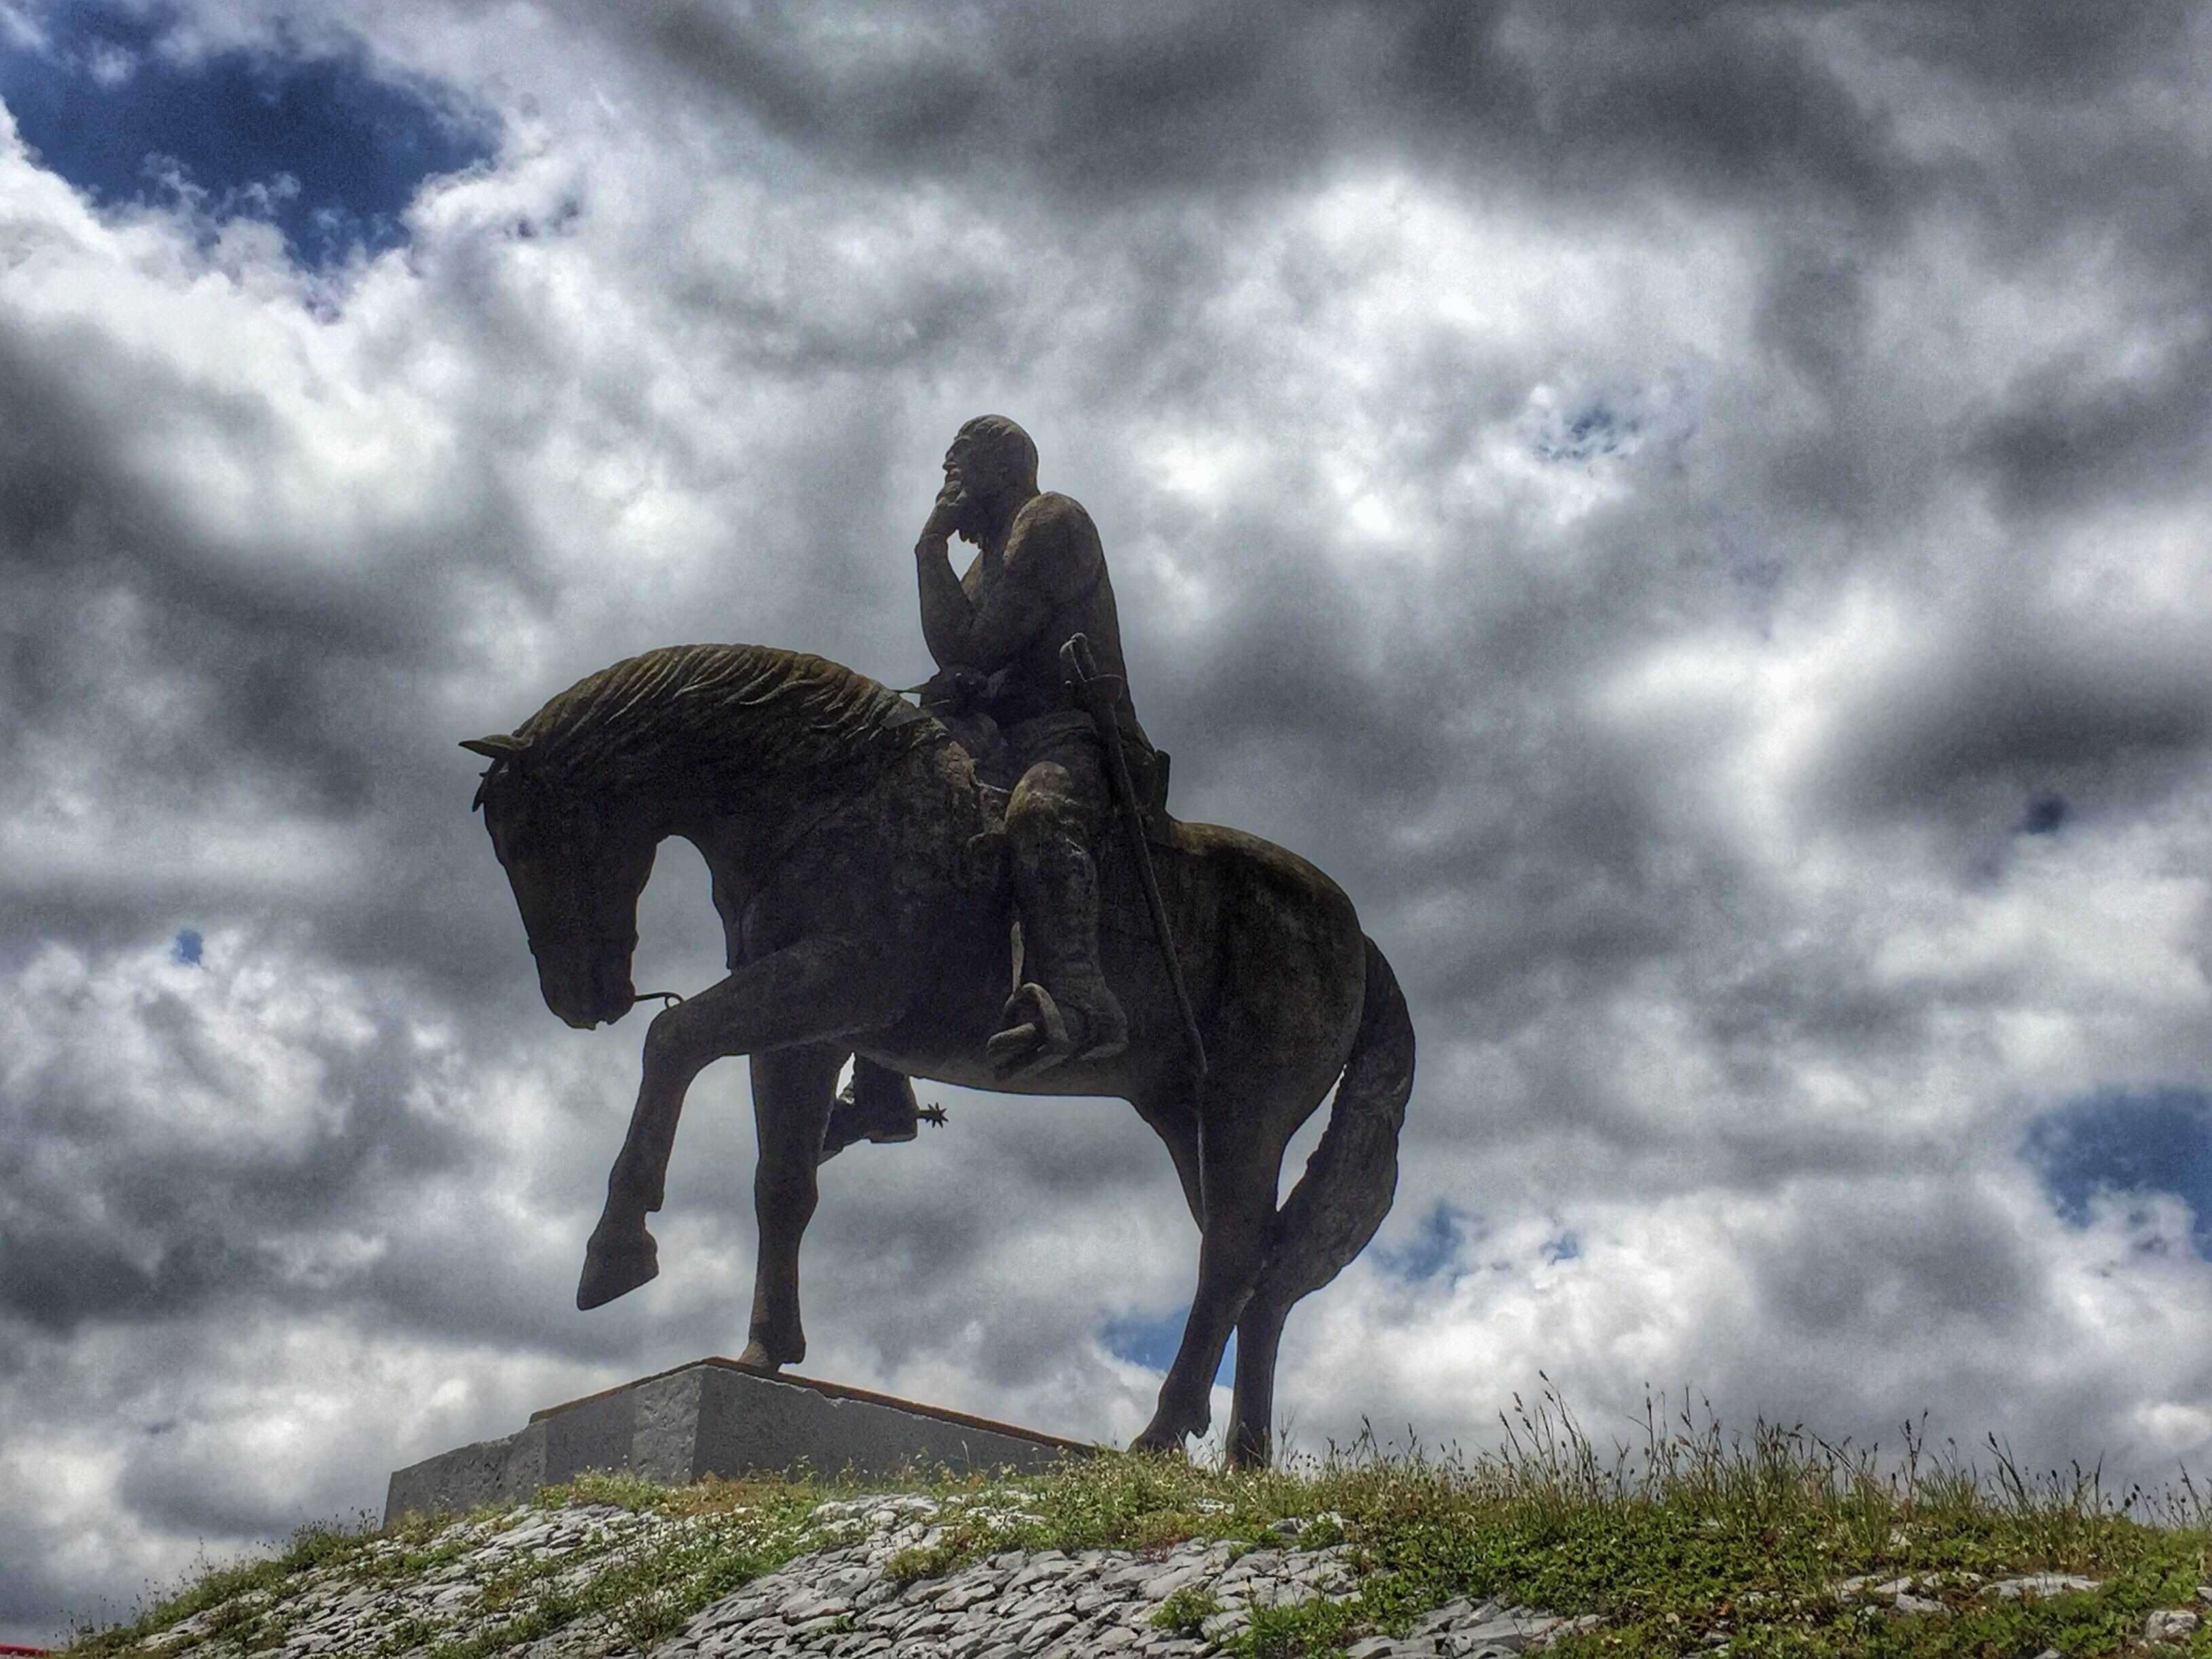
{"points": [[1352, 1175]]}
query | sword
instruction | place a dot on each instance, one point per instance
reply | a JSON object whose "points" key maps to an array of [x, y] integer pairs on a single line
{"points": [[1095, 691]]}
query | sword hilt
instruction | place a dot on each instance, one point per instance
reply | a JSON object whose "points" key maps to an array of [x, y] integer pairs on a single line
{"points": [[1080, 664]]}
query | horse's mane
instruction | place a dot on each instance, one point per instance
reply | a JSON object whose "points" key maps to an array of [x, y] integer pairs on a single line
{"points": [[691, 709]]}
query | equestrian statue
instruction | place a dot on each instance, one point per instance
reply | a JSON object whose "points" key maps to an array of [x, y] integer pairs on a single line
{"points": [[986, 890]]}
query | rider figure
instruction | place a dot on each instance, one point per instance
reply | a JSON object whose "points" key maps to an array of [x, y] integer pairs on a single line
{"points": [[1038, 578]]}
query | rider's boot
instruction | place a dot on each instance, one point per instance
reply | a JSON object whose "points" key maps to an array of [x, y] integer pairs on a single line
{"points": [[877, 1105], [1063, 1010]]}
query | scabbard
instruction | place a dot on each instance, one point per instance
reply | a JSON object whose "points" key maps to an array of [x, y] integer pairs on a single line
{"points": [[1093, 690]]}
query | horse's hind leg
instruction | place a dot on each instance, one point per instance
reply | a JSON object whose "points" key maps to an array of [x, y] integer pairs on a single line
{"points": [[794, 1091], [1242, 1160], [1259, 1336], [1175, 1121]]}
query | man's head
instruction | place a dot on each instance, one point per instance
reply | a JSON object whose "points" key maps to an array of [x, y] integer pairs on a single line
{"points": [[995, 464]]}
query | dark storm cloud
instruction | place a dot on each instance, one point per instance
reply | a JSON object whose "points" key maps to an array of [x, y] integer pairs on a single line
{"points": [[54, 481], [118, 1220], [2071, 437], [74, 500], [1991, 719], [1913, 1261], [1232, 99], [1764, 1009], [2060, 49], [196, 669], [1714, 100]]}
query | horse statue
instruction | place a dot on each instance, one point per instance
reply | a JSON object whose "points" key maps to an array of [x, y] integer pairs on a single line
{"points": [[858, 870]]}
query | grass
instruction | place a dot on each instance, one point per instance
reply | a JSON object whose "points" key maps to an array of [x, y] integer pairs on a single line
{"points": [[1186, 1610], [1693, 1539], [235, 1598]]}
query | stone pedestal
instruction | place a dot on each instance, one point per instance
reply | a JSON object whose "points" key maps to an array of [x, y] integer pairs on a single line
{"points": [[717, 1417]]}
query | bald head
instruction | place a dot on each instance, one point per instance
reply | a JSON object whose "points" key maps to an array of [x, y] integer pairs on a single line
{"points": [[996, 457], [989, 471]]}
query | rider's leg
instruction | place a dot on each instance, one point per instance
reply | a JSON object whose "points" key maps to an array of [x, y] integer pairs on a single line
{"points": [[878, 1105], [1063, 1009]]}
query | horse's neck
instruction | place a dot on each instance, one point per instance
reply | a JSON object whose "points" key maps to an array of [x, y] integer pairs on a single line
{"points": [[743, 836], [724, 835]]}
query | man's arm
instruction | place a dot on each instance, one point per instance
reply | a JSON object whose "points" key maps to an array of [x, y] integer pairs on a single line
{"points": [[1051, 552], [947, 618]]}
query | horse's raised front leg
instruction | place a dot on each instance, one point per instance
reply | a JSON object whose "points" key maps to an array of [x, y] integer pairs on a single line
{"points": [[813, 991], [1240, 1176], [793, 1092]]}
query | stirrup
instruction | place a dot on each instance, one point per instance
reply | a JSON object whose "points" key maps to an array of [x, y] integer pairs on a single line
{"points": [[1033, 1038], [1036, 1037]]}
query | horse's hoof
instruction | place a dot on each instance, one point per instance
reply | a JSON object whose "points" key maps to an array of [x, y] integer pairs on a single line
{"points": [[1157, 1439], [757, 1356], [1172, 1422], [616, 1262], [1248, 1450]]}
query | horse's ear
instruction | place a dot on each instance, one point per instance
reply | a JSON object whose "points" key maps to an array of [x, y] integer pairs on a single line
{"points": [[499, 746]]}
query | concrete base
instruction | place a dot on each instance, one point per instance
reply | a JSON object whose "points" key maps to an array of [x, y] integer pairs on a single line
{"points": [[716, 1416]]}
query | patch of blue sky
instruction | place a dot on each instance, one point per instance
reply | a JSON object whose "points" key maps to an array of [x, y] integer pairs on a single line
{"points": [[1435, 1246], [2150, 1143], [1592, 431], [327, 150], [1599, 426], [187, 946], [1153, 1343]]}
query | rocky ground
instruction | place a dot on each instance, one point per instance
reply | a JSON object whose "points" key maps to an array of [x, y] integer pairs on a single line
{"points": [[877, 1577], [472, 1587]]}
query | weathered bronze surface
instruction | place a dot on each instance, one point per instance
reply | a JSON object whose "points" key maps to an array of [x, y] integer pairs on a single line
{"points": [[870, 862], [1037, 581], [842, 827]]}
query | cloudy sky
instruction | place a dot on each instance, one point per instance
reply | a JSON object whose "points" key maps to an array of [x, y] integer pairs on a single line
{"points": [[1696, 516]]}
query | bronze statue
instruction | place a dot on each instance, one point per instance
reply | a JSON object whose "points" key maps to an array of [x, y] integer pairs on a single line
{"points": [[1038, 580], [870, 861]]}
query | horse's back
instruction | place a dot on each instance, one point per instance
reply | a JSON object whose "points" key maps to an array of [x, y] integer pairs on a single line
{"points": [[1271, 947]]}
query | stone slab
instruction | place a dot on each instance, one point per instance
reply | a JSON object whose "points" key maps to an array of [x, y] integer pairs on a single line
{"points": [[717, 1417]]}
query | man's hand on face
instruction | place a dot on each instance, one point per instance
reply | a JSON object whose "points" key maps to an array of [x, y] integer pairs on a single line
{"points": [[944, 516]]}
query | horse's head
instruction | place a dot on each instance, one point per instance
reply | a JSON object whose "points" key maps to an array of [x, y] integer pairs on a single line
{"points": [[577, 866]]}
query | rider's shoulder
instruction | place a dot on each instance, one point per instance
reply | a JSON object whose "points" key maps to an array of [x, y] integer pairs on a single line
{"points": [[1057, 520]]}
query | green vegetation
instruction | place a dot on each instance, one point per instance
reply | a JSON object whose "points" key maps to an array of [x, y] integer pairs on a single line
{"points": [[234, 1598], [1694, 1540], [1186, 1610], [738, 1530]]}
